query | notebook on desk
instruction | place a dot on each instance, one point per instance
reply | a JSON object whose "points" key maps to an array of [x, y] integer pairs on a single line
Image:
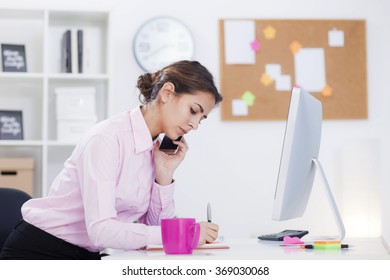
{"points": [[207, 246]]}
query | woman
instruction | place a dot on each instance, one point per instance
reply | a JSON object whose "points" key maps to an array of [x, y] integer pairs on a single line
{"points": [[117, 185]]}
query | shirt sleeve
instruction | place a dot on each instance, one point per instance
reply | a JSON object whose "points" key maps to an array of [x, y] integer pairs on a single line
{"points": [[98, 166], [161, 204]]}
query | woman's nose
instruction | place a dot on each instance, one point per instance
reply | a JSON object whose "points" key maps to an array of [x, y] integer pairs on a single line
{"points": [[193, 125]]}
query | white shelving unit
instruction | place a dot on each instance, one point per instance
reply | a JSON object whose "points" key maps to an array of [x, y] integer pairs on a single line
{"points": [[33, 92]]}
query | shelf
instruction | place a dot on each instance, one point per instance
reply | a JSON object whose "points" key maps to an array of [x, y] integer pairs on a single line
{"points": [[71, 76], [24, 27], [80, 17], [56, 76], [24, 143], [61, 144], [15, 14], [95, 37], [33, 92], [21, 76]]}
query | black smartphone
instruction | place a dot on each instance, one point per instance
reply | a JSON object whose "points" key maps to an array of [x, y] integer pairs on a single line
{"points": [[167, 145]]}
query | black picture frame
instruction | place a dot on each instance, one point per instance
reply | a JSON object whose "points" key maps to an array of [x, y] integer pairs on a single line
{"points": [[11, 125], [13, 58]]}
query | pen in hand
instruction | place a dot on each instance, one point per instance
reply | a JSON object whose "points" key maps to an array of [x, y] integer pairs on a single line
{"points": [[221, 238], [208, 212]]}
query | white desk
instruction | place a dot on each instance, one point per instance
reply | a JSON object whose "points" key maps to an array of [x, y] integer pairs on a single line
{"points": [[253, 249]]}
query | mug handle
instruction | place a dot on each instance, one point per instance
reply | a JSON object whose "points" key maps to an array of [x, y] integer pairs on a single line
{"points": [[195, 234]]}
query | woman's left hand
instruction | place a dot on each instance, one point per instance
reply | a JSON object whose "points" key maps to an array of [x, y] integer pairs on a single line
{"points": [[166, 164]]}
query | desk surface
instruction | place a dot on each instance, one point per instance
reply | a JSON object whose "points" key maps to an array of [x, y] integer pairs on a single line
{"points": [[253, 249]]}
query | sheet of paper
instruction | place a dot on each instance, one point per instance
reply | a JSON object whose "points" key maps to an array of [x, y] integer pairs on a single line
{"points": [[239, 107], [283, 83], [336, 38], [238, 37], [214, 245], [310, 71], [273, 70]]}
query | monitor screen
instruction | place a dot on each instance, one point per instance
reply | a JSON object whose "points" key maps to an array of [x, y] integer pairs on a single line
{"points": [[299, 159], [301, 143]]}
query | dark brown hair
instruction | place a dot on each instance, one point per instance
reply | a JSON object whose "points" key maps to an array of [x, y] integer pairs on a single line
{"points": [[187, 77]]}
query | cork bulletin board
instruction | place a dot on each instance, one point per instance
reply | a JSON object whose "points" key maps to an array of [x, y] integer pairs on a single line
{"points": [[261, 60]]}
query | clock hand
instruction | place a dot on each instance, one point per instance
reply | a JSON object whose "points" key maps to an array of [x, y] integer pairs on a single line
{"points": [[159, 49]]}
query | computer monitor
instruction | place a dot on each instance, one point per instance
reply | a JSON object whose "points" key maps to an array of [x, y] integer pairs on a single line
{"points": [[299, 160]]}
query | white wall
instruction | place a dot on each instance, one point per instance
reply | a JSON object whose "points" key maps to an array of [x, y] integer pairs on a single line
{"points": [[234, 165]]}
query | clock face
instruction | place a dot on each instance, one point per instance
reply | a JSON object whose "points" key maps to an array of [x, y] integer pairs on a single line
{"points": [[162, 41]]}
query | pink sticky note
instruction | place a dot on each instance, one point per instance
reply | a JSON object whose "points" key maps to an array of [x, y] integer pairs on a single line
{"points": [[292, 240], [255, 45]]}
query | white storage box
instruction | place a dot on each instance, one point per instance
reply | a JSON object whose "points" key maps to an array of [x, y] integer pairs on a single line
{"points": [[71, 129], [75, 102]]}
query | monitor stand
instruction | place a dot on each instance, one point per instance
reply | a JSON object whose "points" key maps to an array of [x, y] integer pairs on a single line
{"points": [[332, 203]]}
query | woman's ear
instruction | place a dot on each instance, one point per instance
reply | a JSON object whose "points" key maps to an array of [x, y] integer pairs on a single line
{"points": [[167, 91]]}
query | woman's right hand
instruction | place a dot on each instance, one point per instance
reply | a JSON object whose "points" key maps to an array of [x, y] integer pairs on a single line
{"points": [[167, 164]]}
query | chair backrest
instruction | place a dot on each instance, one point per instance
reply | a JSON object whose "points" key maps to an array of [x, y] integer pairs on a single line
{"points": [[11, 201]]}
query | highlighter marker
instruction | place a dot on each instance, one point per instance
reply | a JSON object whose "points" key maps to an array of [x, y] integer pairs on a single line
{"points": [[327, 242], [325, 246]]}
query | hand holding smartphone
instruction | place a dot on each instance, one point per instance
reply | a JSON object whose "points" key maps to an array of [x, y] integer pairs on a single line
{"points": [[167, 145]]}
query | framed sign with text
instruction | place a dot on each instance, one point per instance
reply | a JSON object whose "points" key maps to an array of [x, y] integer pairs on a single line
{"points": [[11, 125], [13, 58]]}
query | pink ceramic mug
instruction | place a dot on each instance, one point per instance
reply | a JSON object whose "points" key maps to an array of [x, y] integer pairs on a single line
{"points": [[179, 235]]}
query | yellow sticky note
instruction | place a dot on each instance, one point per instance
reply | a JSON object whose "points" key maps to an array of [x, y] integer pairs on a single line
{"points": [[295, 46], [266, 79], [327, 91], [248, 97], [269, 32]]}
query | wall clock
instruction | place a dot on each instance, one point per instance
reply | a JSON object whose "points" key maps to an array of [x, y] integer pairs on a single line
{"points": [[161, 41]]}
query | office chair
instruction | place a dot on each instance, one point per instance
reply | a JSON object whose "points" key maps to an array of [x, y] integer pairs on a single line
{"points": [[11, 200]]}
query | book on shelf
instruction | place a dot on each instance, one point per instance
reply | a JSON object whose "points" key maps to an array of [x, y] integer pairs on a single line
{"points": [[72, 51], [66, 52], [86, 54], [80, 50]]}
